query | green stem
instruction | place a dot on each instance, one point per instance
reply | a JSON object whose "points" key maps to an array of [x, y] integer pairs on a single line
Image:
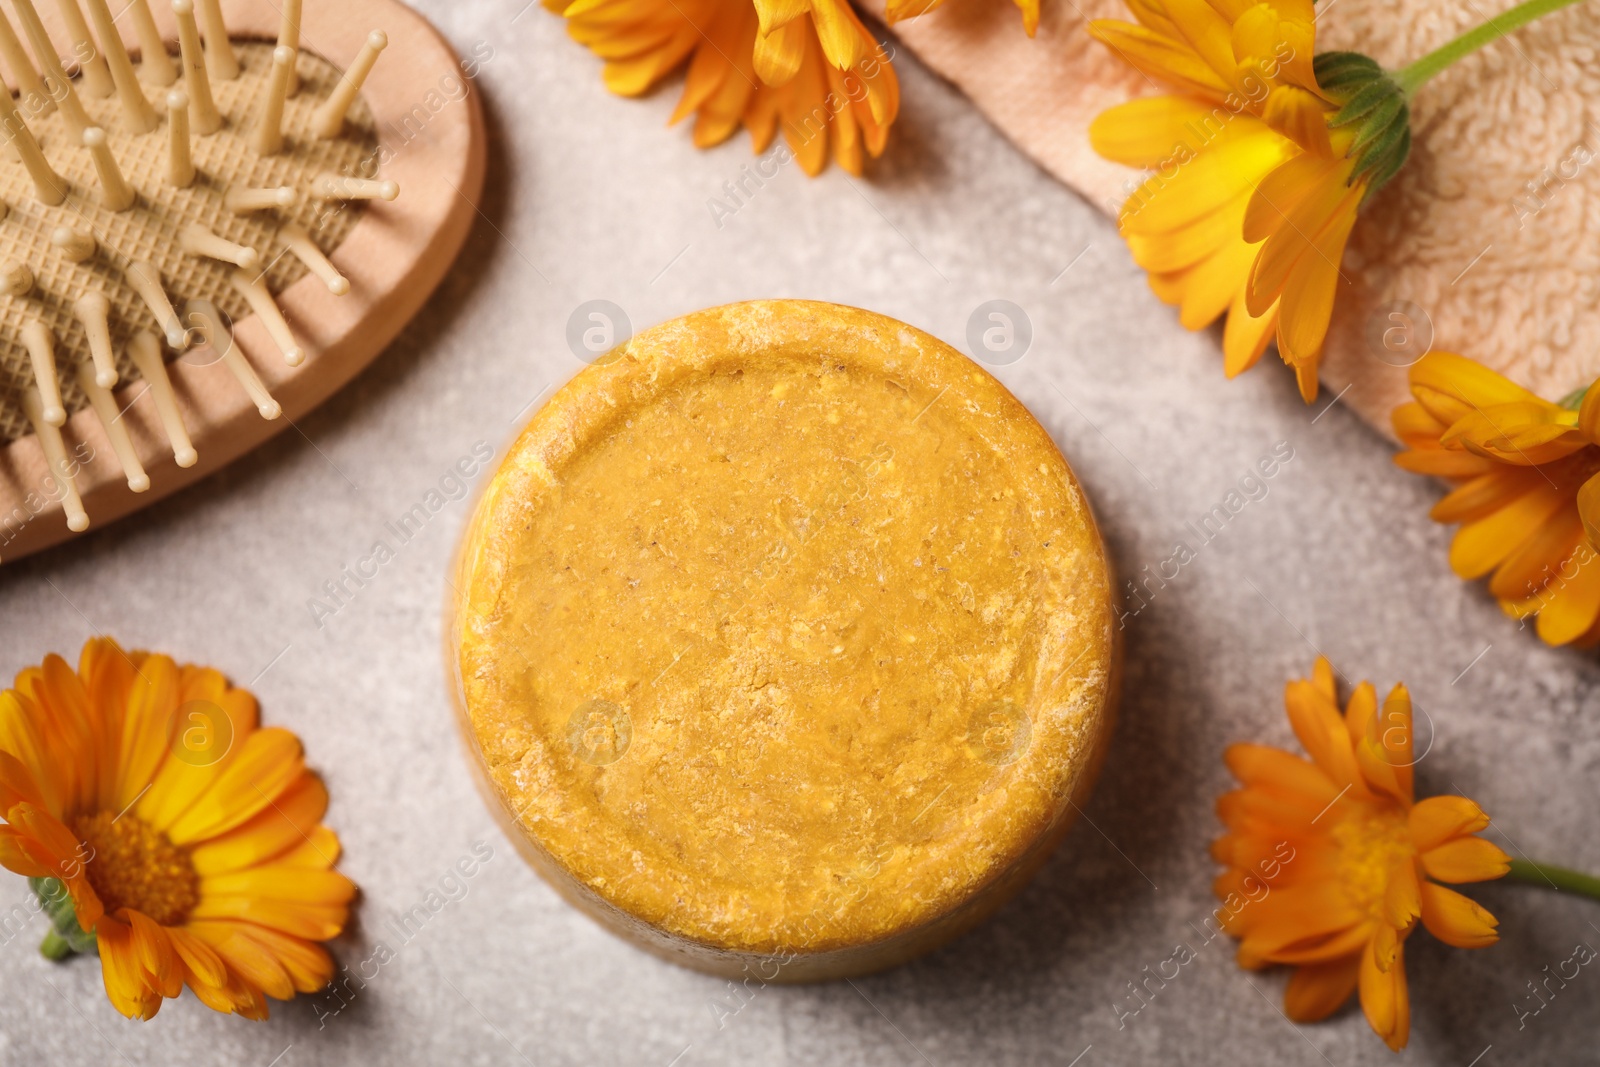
{"points": [[1410, 77], [1560, 878], [54, 947]]}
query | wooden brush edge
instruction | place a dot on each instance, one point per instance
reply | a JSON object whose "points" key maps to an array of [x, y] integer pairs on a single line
{"points": [[395, 257]]}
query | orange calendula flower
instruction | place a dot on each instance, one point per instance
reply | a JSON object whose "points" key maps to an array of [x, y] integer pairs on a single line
{"points": [[163, 827], [1527, 495], [809, 66], [1336, 861], [1261, 156]]}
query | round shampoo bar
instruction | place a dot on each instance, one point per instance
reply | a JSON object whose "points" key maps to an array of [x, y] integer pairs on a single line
{"points": [[784, 640]]}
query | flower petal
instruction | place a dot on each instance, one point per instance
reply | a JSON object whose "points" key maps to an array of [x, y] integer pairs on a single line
{"points": [[16, 784], [1480, 546], [201, 964], [1435, 820], [1153, 131], [1455, 919], [308, 965], [269, 761], [1466, 859], [1402, 901], [1385, 1000], [126, 985], [1161, 57], [162, 966], [1261, 764], [269, 832], [1317, 990], [314, 922], [1321, 730], [1589, 497], [1451, 387], [147, 728], [1572, 600], [1245, 336], [245, 955], [1540, 556], [289, 885]]}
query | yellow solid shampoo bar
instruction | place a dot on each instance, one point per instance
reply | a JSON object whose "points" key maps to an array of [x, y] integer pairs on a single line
{"points": [[785, 640]]}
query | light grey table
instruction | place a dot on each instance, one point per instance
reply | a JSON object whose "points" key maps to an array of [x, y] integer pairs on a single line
{"points": [[590, 197]]}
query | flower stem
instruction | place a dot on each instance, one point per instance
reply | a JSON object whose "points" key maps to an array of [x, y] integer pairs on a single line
{"points": [[54, 947], [1412, 76], [1559, 878]]}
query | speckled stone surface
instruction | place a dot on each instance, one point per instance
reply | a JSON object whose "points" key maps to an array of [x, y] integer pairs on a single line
{"points": [[589, 198]]}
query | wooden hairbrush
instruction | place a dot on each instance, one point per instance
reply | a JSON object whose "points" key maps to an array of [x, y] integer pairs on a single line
{"points": [[212, 215]]}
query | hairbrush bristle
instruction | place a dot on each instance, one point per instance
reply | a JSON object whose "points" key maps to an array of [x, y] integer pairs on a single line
{"points": [[76, 246], [269, 126], [111, 424], [145, 280], [289, 37], [259, 297], [115, 192], [123, 219], [93, 311], [55, 454], [158, 68], [294, 237], [243, 199], [145, 353], [92, 71], [345, 187], [16, 279], [216, 333], [41, 346], [180, 160], [196, 240], [17, 62], [57, 86], [329, 119], [220, 60], [48, 186], [203, 113], [137, 113]]}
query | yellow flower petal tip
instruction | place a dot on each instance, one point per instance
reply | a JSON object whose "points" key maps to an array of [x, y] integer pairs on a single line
{"points": [[1331, 861], [168, 831], [807, 67], [1258, 161], [1526, 496]]}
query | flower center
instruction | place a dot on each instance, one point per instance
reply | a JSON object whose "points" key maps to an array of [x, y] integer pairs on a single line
{"points": [[132, 866], [1370, 844]]}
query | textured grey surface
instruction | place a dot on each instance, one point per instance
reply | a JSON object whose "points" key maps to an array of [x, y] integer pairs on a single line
{"points": [[590, 198]]}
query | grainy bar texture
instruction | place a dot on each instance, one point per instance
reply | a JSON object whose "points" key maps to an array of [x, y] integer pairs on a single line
{"points": [[786, 629]]}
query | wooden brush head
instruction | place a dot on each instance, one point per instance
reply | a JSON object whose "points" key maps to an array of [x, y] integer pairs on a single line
{"points": [[212, 280]]}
